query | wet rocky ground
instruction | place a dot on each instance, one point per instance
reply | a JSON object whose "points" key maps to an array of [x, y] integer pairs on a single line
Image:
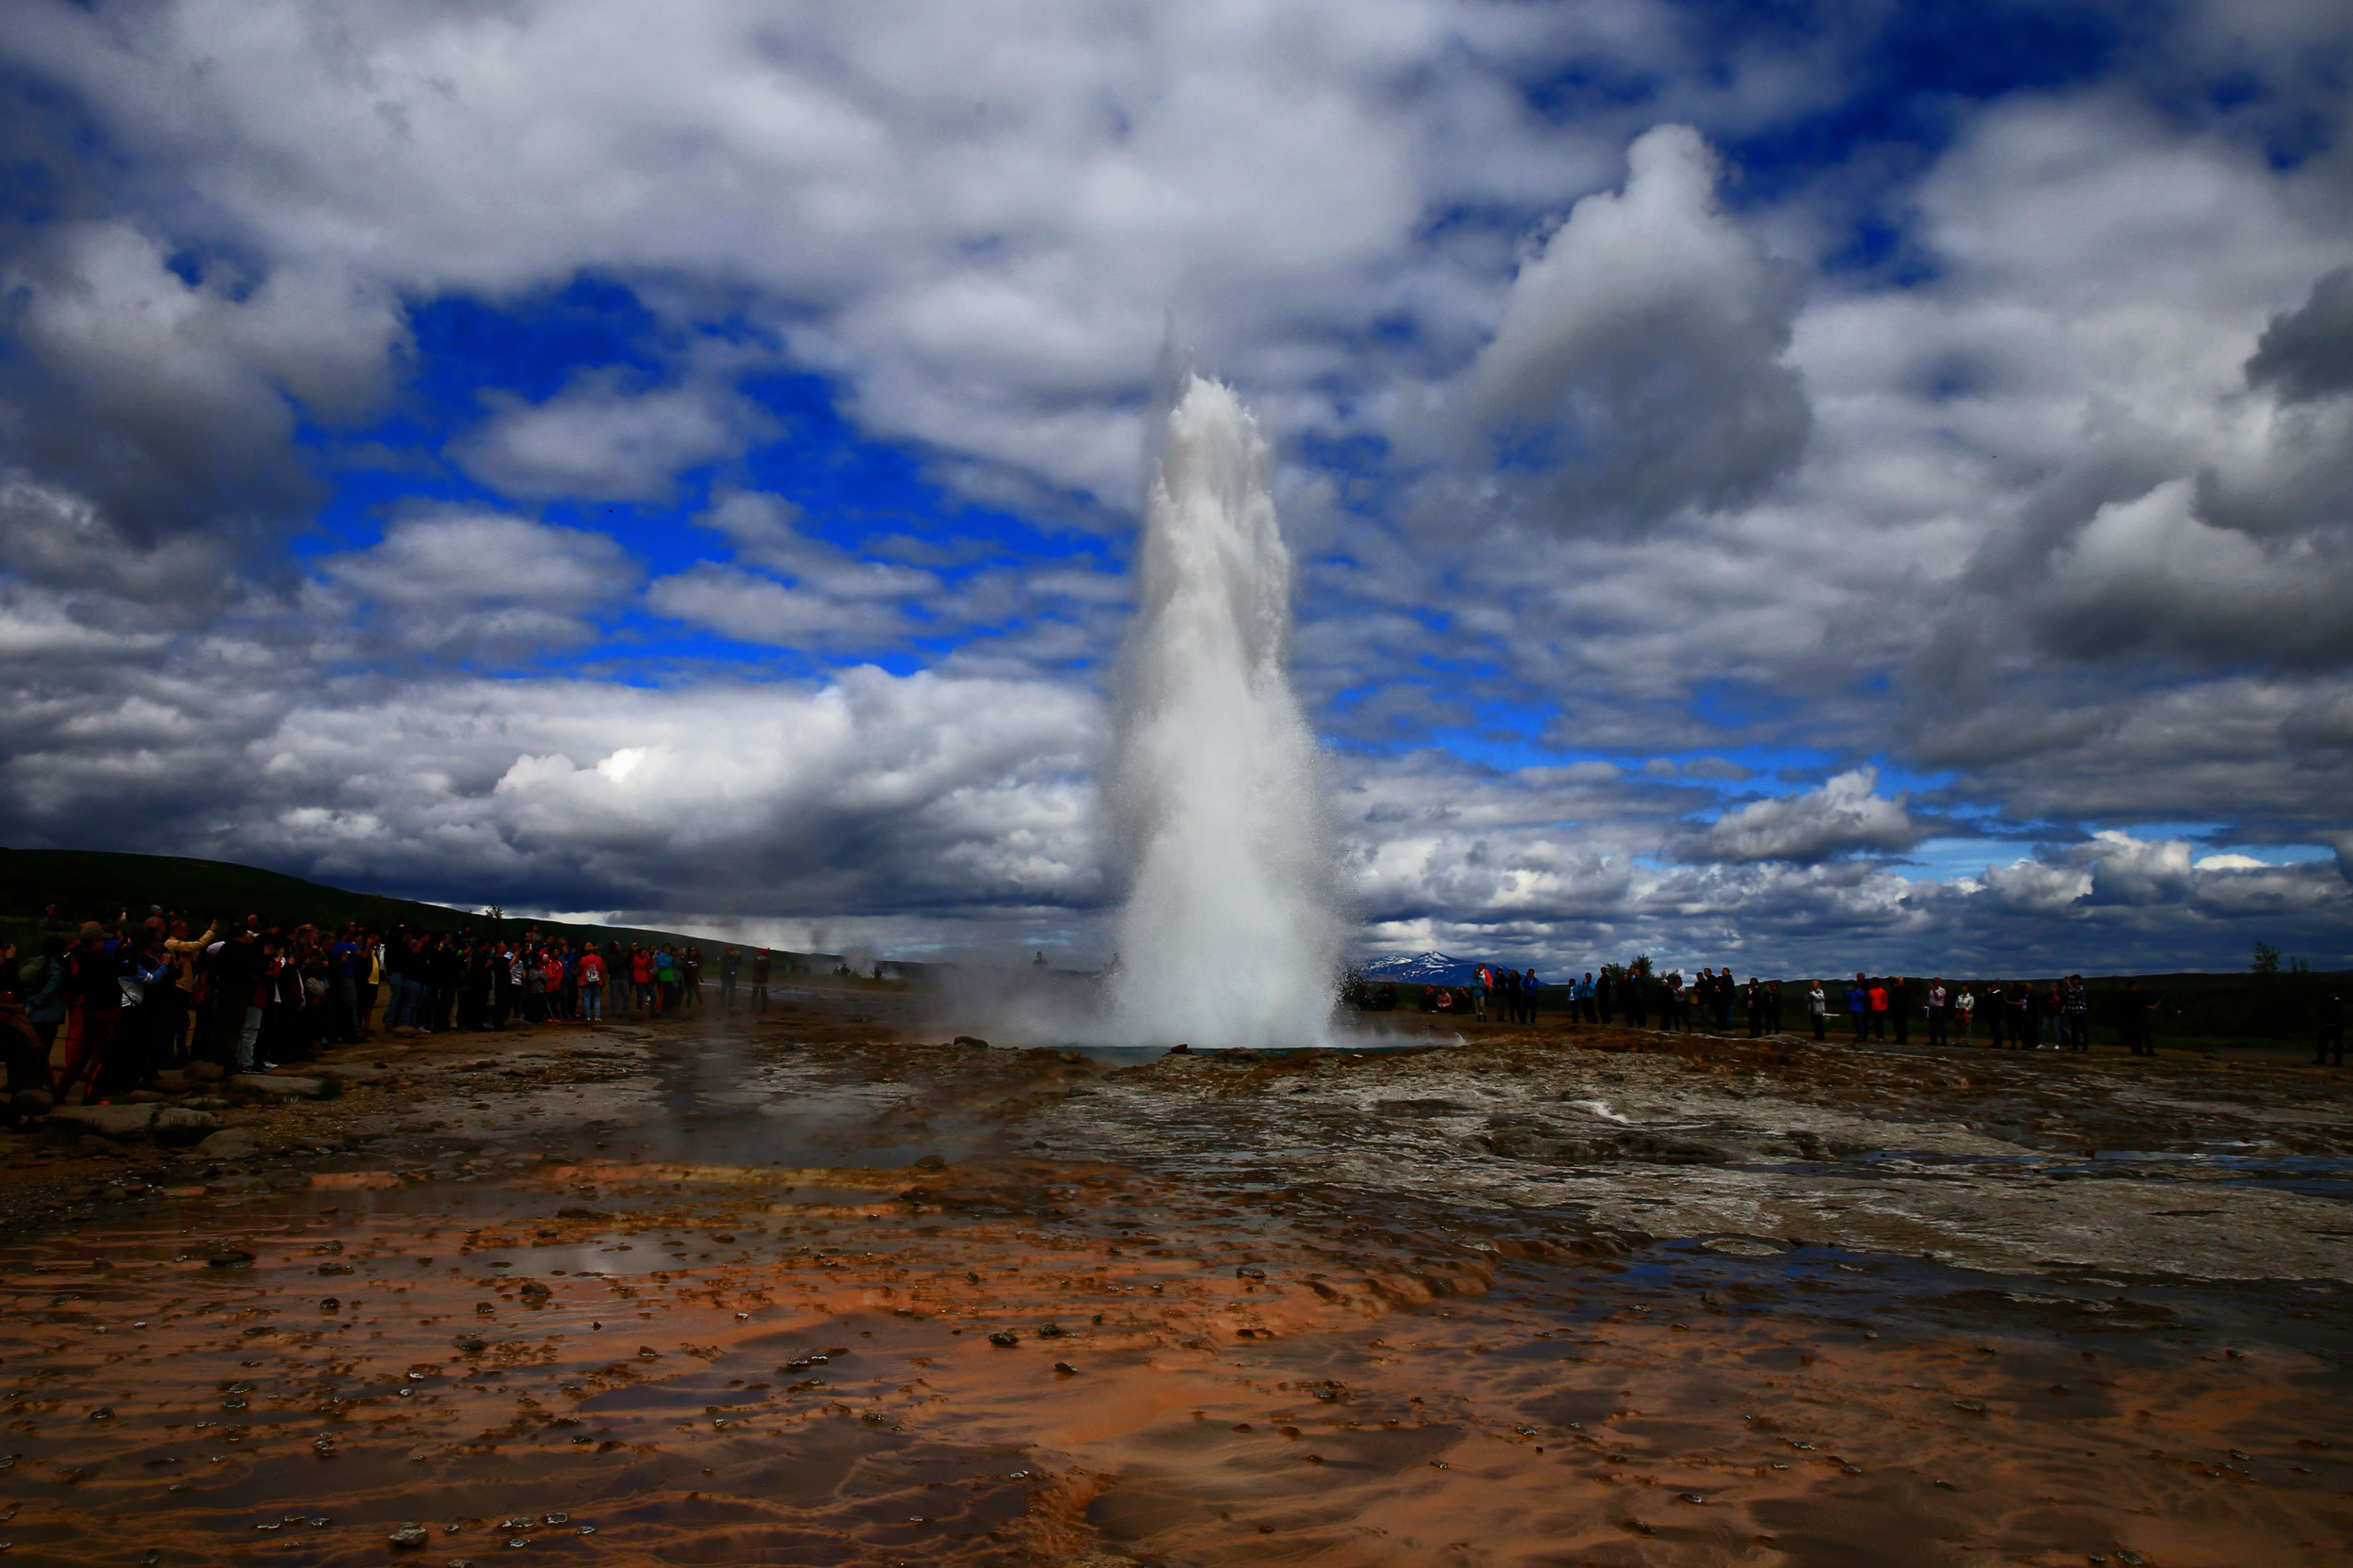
{"points": [[818, 1288]]}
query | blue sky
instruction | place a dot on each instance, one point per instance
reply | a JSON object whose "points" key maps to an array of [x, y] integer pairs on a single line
{"points": [[1789, 477]]}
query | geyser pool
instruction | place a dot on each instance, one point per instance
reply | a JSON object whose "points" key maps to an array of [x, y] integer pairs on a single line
{"points": [[1231, 931]]}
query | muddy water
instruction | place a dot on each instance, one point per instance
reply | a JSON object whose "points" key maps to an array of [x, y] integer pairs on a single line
{"points": [[744, 1297]]}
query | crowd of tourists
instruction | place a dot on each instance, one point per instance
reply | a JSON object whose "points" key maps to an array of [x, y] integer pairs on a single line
{"points": [[2013, 1016], [1507, 993], [132, 1000], [2020, 1014]]}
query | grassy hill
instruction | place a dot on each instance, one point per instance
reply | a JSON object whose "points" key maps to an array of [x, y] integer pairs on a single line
{"points": [[85, 885]]}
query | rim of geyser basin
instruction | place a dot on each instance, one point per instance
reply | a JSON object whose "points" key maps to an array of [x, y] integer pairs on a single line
{"points": [[1130, 1054]]}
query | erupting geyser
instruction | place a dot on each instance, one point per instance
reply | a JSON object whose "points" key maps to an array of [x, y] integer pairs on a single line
{"points": [[1231, 933]]}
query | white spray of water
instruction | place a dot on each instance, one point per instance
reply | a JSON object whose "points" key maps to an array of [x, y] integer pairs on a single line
{"points": [[1231, 933]]}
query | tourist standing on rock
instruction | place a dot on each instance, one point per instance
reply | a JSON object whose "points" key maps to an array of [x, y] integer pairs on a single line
{"points": [[1964, 1009], [144, 1041], [1936, 1013], [388, 962], [589, 973], [254, 981], [1899, 1008], [188, 954], [269, 1007], [2327, 1035], [2133, 1020], [44, 1014], [1859, 1008], [448, 962], [280, 1037], [1772, 1007], [229, 967], [474, 988], [1875, 995], [343, 984], [416, 981], [1604, 996], [641, 978], [502, 983], [760, 980], [731, 964], [1817, 1004], [691, 976], [2076, 1002], [666, 981], [25, 1054], [94, 996], [367, 973], [397, 956]]}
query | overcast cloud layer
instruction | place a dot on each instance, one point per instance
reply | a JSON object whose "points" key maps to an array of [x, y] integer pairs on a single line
{"points": [[1820, 492]]}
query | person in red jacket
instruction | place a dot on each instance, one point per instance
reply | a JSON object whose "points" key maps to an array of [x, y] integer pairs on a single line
{"points": [[641, 978], [760, 980], [588, 974], [94, 971], [1877, 993]]}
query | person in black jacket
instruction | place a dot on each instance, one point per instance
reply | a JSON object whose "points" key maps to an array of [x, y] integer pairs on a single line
{"points": [[20, 1044], [2133, 1020], [231, 971]]}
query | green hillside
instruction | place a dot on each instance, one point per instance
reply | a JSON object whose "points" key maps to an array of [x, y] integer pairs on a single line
{"points": [[100, 885]]}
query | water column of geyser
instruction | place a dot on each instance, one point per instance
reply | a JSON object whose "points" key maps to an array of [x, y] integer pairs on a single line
{"points": [[1230, 933]]}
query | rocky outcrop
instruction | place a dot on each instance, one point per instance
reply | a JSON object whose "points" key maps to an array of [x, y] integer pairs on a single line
{"points": [[176, 1127], [1545, 1144], [284, 1085], [233, 1142], [116, 1121]]}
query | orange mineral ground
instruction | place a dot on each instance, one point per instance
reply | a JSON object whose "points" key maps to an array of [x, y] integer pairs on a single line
{"points": [[769, 1293]]}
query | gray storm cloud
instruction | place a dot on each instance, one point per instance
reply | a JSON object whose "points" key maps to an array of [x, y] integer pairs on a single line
{"points": [[2051, 502], [1641, 352], [1845, 816]]}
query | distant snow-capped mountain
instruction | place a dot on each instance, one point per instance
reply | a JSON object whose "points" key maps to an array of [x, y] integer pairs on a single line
{"points": [[1422, 968]]}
